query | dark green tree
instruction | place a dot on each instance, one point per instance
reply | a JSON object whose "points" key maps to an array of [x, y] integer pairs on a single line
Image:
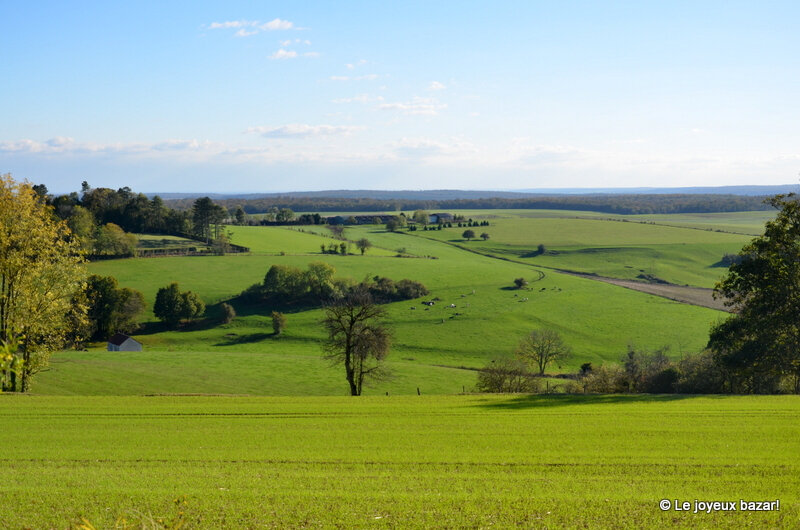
{"points": [[468, 234], [760, 342], [111, 309]]}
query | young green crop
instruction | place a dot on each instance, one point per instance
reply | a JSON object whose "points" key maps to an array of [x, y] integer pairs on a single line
{"points": [[412, 462]]}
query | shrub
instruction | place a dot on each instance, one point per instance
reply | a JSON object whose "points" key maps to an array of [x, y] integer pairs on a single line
{"points": [[278, 322], [228, 313], [506, 376], [520, 283]]}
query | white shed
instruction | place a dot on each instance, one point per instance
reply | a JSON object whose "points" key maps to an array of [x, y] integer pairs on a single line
{"points": [[122, 342]]}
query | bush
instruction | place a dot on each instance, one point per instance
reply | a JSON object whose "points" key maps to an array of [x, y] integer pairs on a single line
{"points": [[228, 313], [506, 376], [520, 283], [606, 379], [278, 322]]}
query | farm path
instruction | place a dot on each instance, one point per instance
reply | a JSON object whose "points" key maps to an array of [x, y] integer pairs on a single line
{"points": [[700, 296]]}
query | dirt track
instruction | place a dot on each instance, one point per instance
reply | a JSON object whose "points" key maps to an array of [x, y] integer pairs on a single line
{"points": [[680, 293]]}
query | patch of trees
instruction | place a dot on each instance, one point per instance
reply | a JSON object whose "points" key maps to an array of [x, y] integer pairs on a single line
{"points": [[111, 308], [41, 284], [173, 305], [616, 204], [286, 285]]}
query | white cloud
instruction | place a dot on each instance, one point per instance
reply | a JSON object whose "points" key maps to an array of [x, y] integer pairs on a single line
{"points": [[417, 106], [419, 148], [257, 26], [300, 130], [436, 85], [276, 24], [360, 98], [233, 24], [368, 77], [283, 54], [285, 43], [350, 66]]}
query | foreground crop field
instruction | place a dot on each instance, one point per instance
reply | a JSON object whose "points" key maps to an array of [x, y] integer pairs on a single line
{"points": [[404, 462]]}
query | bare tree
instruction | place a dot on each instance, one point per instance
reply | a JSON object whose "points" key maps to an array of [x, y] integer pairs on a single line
{"points": [[357, 338], [542, 347]]}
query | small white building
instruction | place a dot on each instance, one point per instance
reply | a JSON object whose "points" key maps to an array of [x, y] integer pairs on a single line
{"points": [[122, 342]]}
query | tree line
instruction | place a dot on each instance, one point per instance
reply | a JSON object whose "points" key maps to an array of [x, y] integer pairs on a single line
{"points": [[626, 204]]}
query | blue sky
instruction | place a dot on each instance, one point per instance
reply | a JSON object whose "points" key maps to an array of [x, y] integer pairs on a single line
{"points": [[269, 96]]}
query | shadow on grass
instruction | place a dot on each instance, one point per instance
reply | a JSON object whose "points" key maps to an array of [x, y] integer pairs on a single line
{"points": [[530, 401], [234, 340]]}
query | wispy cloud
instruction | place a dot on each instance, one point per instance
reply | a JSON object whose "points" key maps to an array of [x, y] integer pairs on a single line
{"points": [[283, 54], [360, 98], [367, 77], [252, 27], [300, 130], [436, 85], [417, 106]]}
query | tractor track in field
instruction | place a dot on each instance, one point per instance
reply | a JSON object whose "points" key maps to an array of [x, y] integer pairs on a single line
{"points": [[699, 296]]}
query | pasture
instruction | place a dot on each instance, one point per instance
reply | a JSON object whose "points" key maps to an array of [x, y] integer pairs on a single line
{"points": [[388, 462], [615, 248], [435, 349]]}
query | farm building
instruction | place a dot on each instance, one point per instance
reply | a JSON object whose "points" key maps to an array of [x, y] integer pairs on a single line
{"points": [[122, 342], [440, 218]]}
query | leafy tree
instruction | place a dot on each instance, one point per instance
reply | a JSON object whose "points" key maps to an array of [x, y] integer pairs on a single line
{"points": [[468, 234], [278, 322], [240, 216], [167, 306], [520, 283], [206, 218], [285, 282], [542, 347], [111, 240], [760, 341], [392, 225], [111, 309], [319, 279], [172, 305], [284, 215], [357, 338], [421, 217], [192, 305], [363, 245], [484, 236], [81, 224], [41, 274], [228, 313]]}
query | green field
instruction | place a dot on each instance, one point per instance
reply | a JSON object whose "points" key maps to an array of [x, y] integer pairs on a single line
{"points": [[619, 249], [164, 242], [434, 349], [397, 462]]}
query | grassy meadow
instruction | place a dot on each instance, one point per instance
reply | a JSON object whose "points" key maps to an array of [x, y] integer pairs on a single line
{"points": [[396, 462], [434, 349]]}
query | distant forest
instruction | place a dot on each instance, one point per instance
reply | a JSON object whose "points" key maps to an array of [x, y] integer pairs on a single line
{"points": [[615, 204]]}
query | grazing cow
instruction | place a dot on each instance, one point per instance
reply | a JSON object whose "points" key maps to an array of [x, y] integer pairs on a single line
{"points": [[452, 305], [413, 308]]}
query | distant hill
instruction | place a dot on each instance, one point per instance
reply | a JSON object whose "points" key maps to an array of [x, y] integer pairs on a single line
{"points": [[446, 195]]}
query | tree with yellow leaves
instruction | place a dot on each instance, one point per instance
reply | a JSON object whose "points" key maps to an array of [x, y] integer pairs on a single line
{"points": [[41, 274]]}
